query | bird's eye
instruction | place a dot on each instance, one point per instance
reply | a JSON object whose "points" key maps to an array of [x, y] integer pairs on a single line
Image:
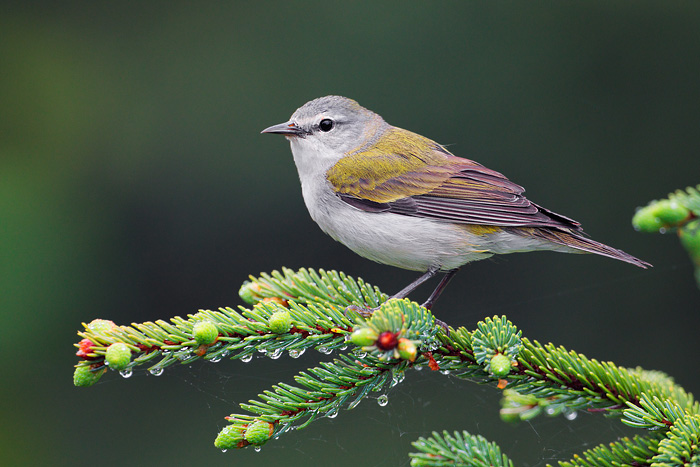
{"points": [[326, 125]]}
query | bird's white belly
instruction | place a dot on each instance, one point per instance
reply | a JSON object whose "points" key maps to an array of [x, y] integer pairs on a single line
{"points": [[402, 241]]}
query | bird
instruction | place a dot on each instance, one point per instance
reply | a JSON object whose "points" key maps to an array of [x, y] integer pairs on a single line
{"points": [[404, 200]]}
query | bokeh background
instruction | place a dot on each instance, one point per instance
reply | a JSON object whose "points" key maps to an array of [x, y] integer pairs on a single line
{"points": [[134, 186]]}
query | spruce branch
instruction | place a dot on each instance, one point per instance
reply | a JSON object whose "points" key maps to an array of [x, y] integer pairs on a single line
{"points": [[287, 316], [308, 286], [294, 311], [549, 371], [680, 447], [458, 449], [670, 213], [322, 391], [679, 212], [655, 413], [637, 451]]}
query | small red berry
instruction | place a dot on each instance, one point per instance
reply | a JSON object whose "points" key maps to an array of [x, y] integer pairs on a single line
{"points": [[387, 341]]}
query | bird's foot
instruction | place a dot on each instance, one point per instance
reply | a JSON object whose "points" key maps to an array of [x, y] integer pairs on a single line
{"points": [[363, 311], [443, 325], [367, 312]]}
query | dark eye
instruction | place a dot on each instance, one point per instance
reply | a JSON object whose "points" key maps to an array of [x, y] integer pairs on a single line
{"points": [[326, 125]]}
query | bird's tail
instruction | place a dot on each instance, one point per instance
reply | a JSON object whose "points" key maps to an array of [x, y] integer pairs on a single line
{"points": [[584, 244]]}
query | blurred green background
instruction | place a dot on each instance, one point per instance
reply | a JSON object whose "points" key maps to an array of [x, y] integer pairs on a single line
{"points": [[134, 186]]}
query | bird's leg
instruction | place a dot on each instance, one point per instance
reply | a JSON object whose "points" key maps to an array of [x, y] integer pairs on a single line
{"points": [[429, 274], [440, 287], [436, 293], [403, 293]]}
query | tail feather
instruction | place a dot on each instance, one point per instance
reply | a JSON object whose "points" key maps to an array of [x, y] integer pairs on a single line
{"points": [[579, 242]]}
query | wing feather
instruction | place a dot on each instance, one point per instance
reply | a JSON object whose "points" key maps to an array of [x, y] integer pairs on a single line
{"points": [[432, 183]]}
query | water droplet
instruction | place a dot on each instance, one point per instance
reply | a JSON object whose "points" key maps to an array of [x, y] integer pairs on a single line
{"points": [[361, 354], [662, 230], [418, 367], [126, 373], [224, 450], [276, 354], [383, 400], [215, 359], [156, 371], [285, 428], [354, 403], [397, 378], [246, 358], [325, 350], [332, 413], [550, 411], [257, 448], [445, 372], [571, 415], [296, 353], [262, 351]]}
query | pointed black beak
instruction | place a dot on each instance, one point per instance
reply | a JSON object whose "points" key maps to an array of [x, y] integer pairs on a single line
{"points": [[287, 129]]}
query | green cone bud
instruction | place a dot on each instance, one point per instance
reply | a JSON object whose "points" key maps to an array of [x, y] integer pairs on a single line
{"points": [[248, 292], [670, 212], [118, 356], [229, 437], [101, 325], [259, 432], [407, 349], [280, 322], [646, 221], [500, 365], [689, 235], [205, 333], [83, 377], [364, 336], [690, 239], [663, 214], [510, 415]]}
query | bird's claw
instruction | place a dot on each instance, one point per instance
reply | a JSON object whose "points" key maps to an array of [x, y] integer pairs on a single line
{"points": [[443, 325], [363, 311]]}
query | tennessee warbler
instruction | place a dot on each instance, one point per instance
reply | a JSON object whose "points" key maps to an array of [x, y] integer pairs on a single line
{"points": [[401, 199]]}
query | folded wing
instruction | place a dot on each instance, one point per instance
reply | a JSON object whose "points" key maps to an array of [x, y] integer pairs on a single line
{"points": [[414, 176]]}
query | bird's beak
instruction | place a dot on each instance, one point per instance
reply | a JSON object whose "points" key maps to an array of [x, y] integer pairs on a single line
{"points": [[287, 129]]}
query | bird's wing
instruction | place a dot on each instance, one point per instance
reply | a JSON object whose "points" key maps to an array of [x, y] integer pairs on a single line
{"points": [[411, 175]]}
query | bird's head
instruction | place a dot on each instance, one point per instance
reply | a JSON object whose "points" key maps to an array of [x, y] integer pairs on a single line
{"points": [[326, 129]]}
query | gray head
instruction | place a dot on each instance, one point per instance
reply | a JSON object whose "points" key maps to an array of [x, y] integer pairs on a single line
{"points": [[334, 124]]}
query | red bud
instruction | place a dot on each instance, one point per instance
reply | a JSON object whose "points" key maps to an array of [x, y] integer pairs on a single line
{"points": [[387, 341], [85, 348]]}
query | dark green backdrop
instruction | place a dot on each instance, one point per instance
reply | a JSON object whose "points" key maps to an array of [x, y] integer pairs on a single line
{"points": [[134, 186]]}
